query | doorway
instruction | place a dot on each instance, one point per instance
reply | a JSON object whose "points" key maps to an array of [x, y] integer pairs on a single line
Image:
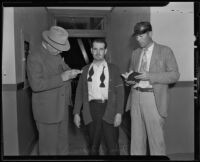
{"points": [[78, 56]]}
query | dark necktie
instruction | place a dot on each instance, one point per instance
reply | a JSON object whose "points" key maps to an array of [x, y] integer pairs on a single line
{"points": [[91, 72], [102, 78]]}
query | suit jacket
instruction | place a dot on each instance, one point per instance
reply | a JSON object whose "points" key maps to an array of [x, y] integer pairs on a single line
{"points": [[163, 71], [115, 96], [50, 95]]}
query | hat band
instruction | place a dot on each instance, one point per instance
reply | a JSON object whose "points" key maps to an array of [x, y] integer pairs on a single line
{"points": [[54, 47], [56, 42]]}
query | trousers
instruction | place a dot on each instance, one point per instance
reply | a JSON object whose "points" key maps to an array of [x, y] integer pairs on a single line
{"points": [[146, 122], [98, 130], [53, 137]]}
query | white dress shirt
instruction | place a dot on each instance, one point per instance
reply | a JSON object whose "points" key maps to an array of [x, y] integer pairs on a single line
{"points": [[146, 84], [95, 92]]}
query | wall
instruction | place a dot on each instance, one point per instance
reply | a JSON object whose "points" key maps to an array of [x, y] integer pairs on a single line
{"points": [[173, 25], [30, 22], [120, 43], [10, 137], [8, 57], [19, 131], [179, 128]]}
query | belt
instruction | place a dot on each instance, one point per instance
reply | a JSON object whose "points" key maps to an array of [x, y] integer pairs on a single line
{"points": [[144, 89], [99, 101]]}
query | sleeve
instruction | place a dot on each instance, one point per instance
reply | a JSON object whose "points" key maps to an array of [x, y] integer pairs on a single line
{"points": [[171, 74], [119, 87], [36, 78], [79, 96]]}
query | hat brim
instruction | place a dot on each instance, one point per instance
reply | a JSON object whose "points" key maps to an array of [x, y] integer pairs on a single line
{"points": [[59, 47], [136, 33]]}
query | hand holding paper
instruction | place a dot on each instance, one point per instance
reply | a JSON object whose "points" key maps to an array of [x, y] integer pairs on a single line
{"points": [[70, 74]]}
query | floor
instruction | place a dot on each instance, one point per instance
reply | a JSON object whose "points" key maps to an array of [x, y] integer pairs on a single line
{"points": [[78, 144]]}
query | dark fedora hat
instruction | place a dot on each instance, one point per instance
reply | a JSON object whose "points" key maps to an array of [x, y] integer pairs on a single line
{"points": [[142, 27]]}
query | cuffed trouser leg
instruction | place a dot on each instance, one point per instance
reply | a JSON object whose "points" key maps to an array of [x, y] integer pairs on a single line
{"points": [[138, 131], [95, 127], [111, 135], [53, 138], [63, 141], [146, 121]]}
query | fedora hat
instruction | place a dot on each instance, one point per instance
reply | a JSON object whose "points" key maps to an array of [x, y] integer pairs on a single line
{"points": [[57, 37], [141, 28]]}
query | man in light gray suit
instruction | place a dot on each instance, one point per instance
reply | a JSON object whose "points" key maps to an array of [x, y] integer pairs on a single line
{"points": [[148, 99]]}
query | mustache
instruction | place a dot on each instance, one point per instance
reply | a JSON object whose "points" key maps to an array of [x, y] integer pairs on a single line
{"points": [[98, 55]]}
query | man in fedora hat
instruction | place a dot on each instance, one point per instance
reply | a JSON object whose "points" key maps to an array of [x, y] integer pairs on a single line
{"points": [[148, 99], [49, 78]]}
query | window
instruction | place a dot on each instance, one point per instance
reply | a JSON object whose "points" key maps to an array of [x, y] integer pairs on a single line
{"points": [[82, 23]]}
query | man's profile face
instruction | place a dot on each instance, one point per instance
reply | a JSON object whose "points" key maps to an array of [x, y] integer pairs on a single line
{"points": [[52, 50], [98, 51]]}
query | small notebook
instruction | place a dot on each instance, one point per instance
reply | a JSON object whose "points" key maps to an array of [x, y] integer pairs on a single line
{"points": [[132, 75]]}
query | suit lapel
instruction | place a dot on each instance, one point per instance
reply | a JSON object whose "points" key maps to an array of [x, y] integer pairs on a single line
{"points": [[85, 76], [154, 57], [110, 75], [110, 80]]}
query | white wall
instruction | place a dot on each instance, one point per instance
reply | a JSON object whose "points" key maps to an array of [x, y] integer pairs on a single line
{"points": [[8, 55], [173, 25]]}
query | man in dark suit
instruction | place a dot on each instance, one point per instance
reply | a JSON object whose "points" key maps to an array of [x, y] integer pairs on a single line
{"points": [[100, 91], [148, 99], [49, 78]]}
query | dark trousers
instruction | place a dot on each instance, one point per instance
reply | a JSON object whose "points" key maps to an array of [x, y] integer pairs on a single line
{"points": [[98, 129]]}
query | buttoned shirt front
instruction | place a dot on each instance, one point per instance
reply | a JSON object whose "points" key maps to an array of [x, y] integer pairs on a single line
{"points": [[148, 51], [94, 90]]}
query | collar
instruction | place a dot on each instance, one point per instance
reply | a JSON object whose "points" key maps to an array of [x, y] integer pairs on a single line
{"points": [[103, 63], [150, 48]]}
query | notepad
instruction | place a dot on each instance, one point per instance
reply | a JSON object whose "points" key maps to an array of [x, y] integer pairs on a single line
{"points": [[131, 77]]}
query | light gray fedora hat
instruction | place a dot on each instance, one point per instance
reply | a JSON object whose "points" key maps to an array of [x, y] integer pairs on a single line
{"points": [[57, 37]]}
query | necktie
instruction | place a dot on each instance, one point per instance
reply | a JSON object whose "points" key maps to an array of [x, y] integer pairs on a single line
{"points": [[102, 78], [91, 72], [143, 66]]}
